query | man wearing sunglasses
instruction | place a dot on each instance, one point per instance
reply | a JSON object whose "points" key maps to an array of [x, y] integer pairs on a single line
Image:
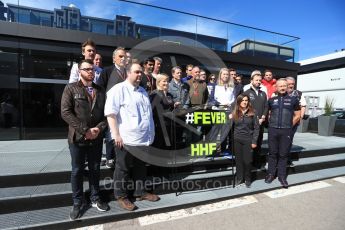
{"points": [[82, 108]]}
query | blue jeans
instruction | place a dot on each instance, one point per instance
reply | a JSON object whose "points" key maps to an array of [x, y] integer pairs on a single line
{"points": [[93, 154]]}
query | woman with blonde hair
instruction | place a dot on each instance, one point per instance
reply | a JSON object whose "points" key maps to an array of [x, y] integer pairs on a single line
{"points": [[161, 95], [222, 99], [224, 90], [246, 132], [162, 102]]}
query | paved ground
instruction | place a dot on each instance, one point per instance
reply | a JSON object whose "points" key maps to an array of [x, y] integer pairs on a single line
{"points": [[261, 211], [35, 156], [313, 206]]}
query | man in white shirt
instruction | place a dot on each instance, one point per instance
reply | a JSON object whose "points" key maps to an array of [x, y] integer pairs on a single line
{"points": [[88, 50], [302, 103], [248, 86], [129, 115]]}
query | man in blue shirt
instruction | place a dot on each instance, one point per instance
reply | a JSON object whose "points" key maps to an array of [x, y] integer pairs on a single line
{"points": [[284, 113]]}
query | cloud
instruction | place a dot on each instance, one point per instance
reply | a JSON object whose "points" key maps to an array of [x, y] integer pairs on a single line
{"points": [[107, 9]]}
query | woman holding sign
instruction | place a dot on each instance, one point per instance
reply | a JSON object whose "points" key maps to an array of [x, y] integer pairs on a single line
{"points": [[246, 132]]}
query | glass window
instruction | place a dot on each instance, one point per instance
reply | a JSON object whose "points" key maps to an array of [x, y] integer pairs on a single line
{"points": [[99, 26], [41, 111], [147, 33], [34, 18], [9, 100], [46, 19], [24, 16], [45, 64]]}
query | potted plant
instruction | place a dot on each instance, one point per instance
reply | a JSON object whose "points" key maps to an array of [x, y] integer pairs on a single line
{"points": [[326, 122], [304, 124]]}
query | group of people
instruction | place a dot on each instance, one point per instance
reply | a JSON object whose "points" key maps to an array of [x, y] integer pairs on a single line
{"points": [[121, 103], [274, 104]]}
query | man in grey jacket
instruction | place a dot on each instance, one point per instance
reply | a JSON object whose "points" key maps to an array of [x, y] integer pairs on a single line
{"points": [[178, 89]]}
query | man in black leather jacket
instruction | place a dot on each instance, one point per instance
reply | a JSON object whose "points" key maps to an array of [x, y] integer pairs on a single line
{"points": [[82, 107]]}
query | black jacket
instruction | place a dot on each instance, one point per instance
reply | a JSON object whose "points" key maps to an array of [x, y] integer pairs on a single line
{"points": [[282, 108], [148, 82], [80, 114], [259, 102], [110, 76], [247, 128], [162, 104], [238, 89]]}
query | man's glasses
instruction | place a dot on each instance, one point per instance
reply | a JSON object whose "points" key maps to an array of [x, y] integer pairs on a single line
{"points": [[87, 69]]}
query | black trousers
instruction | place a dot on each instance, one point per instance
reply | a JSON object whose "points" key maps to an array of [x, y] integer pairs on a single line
{"points": [[129, 175], [279, 141], [293, 132], [244, 157]]}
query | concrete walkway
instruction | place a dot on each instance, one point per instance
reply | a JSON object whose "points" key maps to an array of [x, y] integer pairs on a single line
{"points": [[38, 156]]}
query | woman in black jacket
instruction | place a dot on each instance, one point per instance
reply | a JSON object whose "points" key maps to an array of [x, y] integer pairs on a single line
{"points": [[246, 132], [162, 102]]}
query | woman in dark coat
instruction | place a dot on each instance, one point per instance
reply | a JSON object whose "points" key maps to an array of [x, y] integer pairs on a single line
{"points": [[246, 132], [162, 103]]}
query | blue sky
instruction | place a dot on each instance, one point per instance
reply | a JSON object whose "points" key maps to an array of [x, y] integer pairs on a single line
{"points": [[319, 23]]}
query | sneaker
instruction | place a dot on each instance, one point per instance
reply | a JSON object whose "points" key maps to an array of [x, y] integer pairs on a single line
{"points": [[110, 164], [264, 167], [148, 196], [100, 205], [75, 212], [227, 155], [291, 164], [125, 203], [248, 184], [103, 161]]}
